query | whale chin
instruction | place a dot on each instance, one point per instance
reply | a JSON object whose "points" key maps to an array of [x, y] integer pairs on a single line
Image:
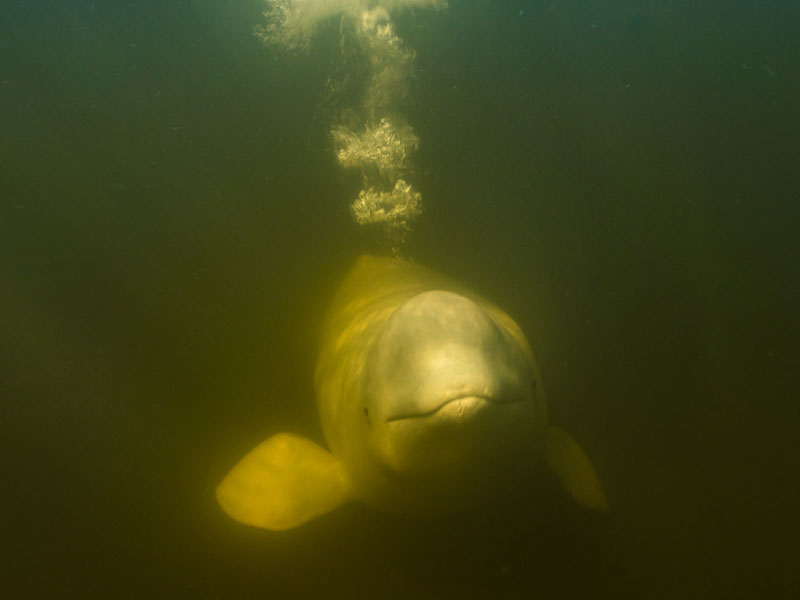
{"points": [[469, 432]]}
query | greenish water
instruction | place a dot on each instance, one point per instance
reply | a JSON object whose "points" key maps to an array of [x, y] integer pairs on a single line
{"points": [[620, 177]]}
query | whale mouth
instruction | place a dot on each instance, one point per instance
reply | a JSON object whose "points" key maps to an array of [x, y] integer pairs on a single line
{"points": [[457, 408]]}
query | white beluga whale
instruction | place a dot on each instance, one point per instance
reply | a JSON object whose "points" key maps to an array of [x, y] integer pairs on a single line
{"points": [[429, 398]]}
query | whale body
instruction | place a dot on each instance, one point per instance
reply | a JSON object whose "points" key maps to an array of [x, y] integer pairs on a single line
{"points": [[429, 398]]}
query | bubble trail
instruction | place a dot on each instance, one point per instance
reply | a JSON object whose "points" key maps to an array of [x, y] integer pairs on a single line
{"points": [[376, 138]]}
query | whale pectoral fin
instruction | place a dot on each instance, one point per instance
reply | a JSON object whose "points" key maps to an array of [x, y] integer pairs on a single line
{"points": [[282, 483], [573, 469]]}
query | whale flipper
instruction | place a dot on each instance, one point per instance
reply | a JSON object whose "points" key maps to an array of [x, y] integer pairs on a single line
{"points": [[573, 469], [282, 483]]}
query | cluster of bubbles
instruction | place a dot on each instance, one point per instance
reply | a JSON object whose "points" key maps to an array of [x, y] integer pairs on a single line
{"points": [[376, 139]]}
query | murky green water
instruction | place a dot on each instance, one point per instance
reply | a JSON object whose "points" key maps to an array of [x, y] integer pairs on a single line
{"points": [[620, 177]]}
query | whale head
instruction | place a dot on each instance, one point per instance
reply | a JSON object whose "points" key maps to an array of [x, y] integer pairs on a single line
{"points": [[448, 390]]}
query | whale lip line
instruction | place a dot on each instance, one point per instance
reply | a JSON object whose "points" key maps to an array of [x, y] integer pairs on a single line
{"points": [[430, 413]]}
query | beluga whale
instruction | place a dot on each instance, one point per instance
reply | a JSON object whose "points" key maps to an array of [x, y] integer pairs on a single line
{"points": [[429, 399]]}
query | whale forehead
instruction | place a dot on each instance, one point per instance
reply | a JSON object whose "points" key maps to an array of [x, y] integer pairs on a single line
{"points": [[438, 319], [439, 345]]}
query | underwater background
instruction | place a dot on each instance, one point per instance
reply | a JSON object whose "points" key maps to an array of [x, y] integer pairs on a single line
{"points": [[621, 177]]}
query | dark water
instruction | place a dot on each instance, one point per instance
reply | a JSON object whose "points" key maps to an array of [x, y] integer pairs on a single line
{"points": [[620, 176]]}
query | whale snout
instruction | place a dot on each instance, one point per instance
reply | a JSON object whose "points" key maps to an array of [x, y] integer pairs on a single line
{"points": [[459, 408]]}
